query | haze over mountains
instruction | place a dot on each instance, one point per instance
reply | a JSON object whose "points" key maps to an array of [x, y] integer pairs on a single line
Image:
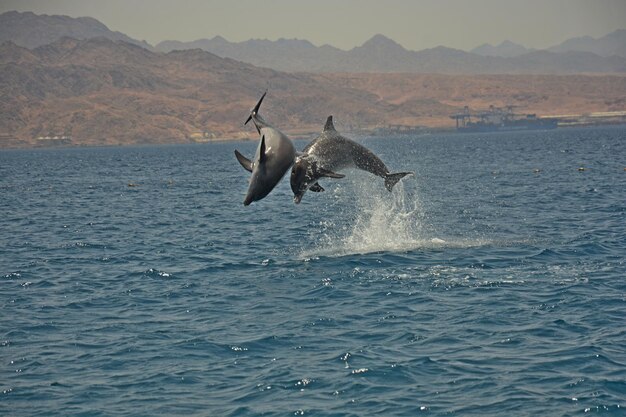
{"points": [[378, 54], [105, 89], [381, 54], [610, 45], [30, 30], [506, 49], [613, 44]]}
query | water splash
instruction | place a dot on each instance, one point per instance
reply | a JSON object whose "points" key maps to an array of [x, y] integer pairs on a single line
{"points": [[383, 222], [379, 221]]}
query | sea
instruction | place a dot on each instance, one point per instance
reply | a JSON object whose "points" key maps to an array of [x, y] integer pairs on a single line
{"points": [[133, 281]]}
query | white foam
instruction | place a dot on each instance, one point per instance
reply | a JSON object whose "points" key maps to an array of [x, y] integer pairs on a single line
{"points": [[382, 221], [379, 221]]}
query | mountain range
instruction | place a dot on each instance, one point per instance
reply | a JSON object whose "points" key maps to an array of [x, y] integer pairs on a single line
{"points": [[506, 49], [100, 91], [32, 30], [382, 54], [110, 89], [613, 44], [104, 92], [378, 54]]}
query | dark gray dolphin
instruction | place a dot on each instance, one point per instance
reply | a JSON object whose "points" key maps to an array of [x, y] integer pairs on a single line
{"points": [[274, 155], [331, 152]]}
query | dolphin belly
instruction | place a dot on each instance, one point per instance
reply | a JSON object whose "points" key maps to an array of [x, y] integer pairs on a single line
{"points": [[274, 156]]}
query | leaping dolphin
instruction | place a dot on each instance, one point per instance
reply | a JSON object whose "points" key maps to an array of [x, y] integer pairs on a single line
{"points": [[331, 152], [274, 155]]}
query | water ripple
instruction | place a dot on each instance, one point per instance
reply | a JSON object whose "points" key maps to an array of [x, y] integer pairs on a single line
{"points": [[463, 292]]}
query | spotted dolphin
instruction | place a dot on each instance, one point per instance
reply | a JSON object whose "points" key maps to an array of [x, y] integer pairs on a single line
{"points": [[274, 155], [331, 152]]}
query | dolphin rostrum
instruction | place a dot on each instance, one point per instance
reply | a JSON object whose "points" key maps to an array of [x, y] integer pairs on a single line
{"points": [[331, 152], [274, 155]]}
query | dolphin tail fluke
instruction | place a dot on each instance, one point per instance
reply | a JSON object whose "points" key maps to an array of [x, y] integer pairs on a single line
{"points": [[255, 110], [392, 179], [245, 162]]}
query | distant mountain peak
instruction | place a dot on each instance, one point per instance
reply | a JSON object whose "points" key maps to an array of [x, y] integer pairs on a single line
{"points": [[379, 37], [295, 42], [506, 49], [31, 30], [381, 41], [613, 43], [617, 33], [219, 38]]}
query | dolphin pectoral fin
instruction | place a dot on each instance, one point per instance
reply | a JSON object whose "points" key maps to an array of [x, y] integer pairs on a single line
{"points": [[316, 188], [262, 155], [392, 179], [245, 162], [330, 174]]}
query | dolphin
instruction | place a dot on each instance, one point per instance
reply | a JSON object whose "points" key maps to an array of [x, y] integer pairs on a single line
{"points": [[274, 155], [331, 152]]}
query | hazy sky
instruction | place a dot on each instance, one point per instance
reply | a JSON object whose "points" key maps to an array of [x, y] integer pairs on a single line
{"points": [[416, 24]]}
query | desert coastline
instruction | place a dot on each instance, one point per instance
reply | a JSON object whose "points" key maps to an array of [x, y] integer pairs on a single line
{"points": [[100, 91]]}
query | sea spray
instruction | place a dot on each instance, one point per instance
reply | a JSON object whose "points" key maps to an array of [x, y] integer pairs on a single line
{"points": [[383, 221], [372, 219]]}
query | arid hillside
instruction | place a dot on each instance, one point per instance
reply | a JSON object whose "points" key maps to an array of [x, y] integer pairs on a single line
{"points": [[431, 95], [103, 92]]}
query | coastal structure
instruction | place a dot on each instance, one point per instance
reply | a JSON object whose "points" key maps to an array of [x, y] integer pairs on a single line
{"points": [[500, 119], [53, 140]]}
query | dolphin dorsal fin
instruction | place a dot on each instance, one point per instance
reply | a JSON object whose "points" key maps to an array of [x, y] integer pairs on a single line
{"points": [[262, 155], [329, 126]]}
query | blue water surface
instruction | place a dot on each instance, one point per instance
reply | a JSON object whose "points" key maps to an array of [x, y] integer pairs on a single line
{"points": [[133, 282]]}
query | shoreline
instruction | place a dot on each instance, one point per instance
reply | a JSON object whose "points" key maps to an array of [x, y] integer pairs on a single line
{"points": [[302, 137]]}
